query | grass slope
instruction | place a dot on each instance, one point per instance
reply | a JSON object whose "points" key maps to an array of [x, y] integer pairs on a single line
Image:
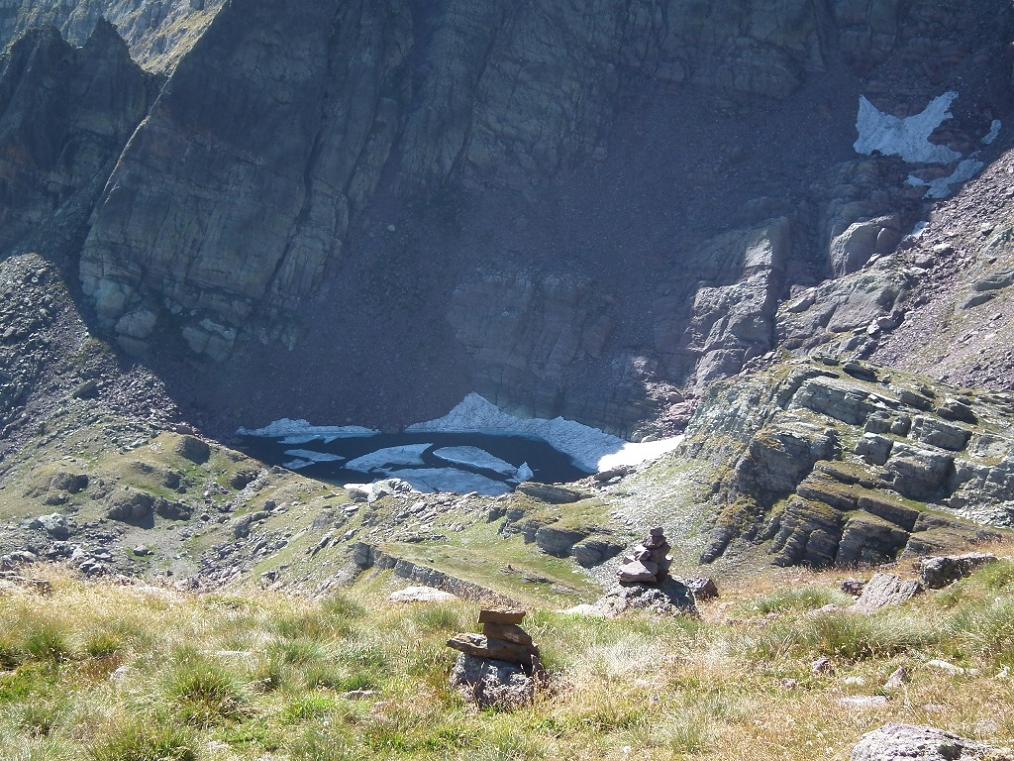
{"points": [[134, 673]]}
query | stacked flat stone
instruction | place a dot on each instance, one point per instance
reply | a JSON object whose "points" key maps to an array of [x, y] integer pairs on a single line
{"points": [[502, 639], [649, 564]]}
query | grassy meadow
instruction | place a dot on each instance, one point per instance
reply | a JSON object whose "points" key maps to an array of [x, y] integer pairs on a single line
{"points": [[100, 672]]}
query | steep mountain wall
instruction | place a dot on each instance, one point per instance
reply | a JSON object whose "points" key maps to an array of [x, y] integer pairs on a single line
{"points": [[65, 114], [580, 209]]}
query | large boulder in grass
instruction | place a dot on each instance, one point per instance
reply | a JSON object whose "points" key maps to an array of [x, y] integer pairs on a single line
{"points": [[492, 684], [130, 506], [422, 594], [885, 590], [670, 598], [903, 742]]}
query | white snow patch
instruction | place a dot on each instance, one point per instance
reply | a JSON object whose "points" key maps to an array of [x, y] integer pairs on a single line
{"points": [[312, 456], [389, 457], [636, 453], [943, 187], [450, 480], [586, 446], [919, 229], [994, 132], [907, 137], [476, 458], [301, 432]]}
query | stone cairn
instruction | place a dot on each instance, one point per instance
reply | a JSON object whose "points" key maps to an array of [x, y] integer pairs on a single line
{"points": [[502, 639], [650, 562], [498, 668], [645, 583]]}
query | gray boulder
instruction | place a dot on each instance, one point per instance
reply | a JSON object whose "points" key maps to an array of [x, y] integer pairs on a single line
{"points": [[904, 742], [56, 525], [670, 598], [592, 551], [853, 248], [703, 587], [492, 684], [174, 511], [939, 572], [885, 590], [556, 541]]}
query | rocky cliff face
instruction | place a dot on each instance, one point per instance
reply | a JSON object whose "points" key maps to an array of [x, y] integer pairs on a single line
{"points": [[593, 211], [842, 464], [65, 114]]}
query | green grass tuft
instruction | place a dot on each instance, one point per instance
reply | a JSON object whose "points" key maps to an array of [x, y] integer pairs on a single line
{"points": [[145, 741], [204, 692]]}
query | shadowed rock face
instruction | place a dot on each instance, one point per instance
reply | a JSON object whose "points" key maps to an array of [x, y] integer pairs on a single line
{"points": [[573, 209], [65, 114]]}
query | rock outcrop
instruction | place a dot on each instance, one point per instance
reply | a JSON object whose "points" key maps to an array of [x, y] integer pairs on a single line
{"points": [[940, 572], [843, 464]]}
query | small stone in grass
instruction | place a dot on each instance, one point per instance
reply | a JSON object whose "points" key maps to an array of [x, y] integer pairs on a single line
{"points": [[898, 679], [823, 666]]}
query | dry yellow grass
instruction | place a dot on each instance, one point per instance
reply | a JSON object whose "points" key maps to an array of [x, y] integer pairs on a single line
{"points": [[264, 676]]}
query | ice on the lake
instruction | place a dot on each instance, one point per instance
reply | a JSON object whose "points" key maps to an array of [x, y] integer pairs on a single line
{"points": [[297, 464], [476, 458], [312, 456], [587, 447], [906, 136], [389, 457], [302, 432], [450, 480], [525, 473]]}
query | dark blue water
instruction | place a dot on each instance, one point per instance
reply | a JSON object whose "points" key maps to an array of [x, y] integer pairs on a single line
{"points": [[549, 465]]}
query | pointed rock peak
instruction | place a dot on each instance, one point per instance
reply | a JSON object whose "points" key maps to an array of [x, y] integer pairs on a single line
{"points": [[105, 36], [46, 36]]}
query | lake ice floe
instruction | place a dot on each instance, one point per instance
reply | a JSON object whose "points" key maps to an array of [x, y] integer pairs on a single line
{"points": [[476, 458], [302, 432], [385, 459]]}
